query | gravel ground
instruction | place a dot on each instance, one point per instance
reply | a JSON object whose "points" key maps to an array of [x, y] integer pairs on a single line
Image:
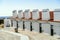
{"points": [[32, 35]]}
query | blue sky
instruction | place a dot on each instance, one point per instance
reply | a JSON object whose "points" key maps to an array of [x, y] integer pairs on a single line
{"points": [[7, 6]]}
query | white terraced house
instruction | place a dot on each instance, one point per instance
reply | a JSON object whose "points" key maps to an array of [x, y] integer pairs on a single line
{"points": [[44, 21]]}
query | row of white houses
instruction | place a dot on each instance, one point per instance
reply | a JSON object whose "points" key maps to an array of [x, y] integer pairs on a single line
{"points": [[52, 28], [45, 14]]}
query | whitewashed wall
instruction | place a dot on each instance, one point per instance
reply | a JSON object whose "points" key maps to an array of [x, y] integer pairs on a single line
{"points": [[35, 26], [45, 14], [46, 28], [14, 13], [57, 30], [14, 23], [56, 27], [7, 23], [57, 15], [20, 24], [20, 14], [27, 25], [27, 14], [35, 14]]}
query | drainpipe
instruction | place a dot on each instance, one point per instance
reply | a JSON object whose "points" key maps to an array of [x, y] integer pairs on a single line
{"points": [[30, 26], [23, 26], [40, 28], [52, 31], [16, 29]]}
